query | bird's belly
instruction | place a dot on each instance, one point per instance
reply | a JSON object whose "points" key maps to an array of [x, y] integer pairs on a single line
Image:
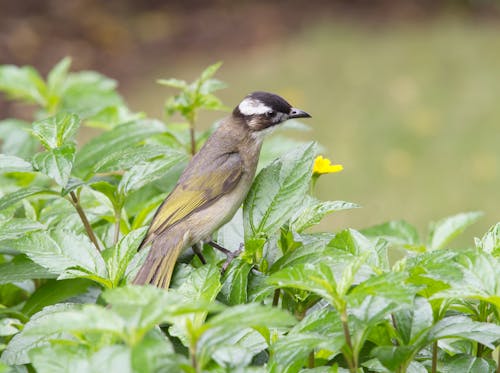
{"points": [[202, 224]]}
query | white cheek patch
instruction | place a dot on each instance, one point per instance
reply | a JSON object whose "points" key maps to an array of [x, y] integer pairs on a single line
{"points": [[249, 106]]}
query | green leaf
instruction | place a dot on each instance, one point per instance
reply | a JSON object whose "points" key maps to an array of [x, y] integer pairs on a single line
{"points": [[321, 329], [463, 327], [122, 254], [53, 292], [11, 163], [119, 138], [57, 77], [352, 241], [392, 357], [19, 195], [144, 307], [324, 321], [480, 278], [202, 285], [9, 326], [231, 321], [88, 93], [445, 230], [313, 211], [290, 353], [53, 132], [56, 163], [155, 353], [277, 190], [413, 322], [21, 269], [235, 282], [397, 232], [317, 278], [16, 138], [18, 227], [210, 71], [128, 157], [175, 83], [65, 253], [238, 351], [23, 83], [147, 172], [310, 252], [77, 319], [390, 286], [231, 235], [17, 350], [78, 359], [466, 364], [490, 242]]}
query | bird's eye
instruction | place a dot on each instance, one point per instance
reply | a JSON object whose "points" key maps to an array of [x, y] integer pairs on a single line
{"points": [[270, 114]]}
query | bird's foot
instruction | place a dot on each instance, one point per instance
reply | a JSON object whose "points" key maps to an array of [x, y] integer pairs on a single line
{"points": [[230, 255]]}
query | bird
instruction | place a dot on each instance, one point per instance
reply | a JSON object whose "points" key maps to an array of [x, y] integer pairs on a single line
{"points": [[213, 185]]}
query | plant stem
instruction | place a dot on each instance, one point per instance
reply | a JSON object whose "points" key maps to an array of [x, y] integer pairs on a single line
{"points": [[193, 142], [479, 351], [276, 297], [117, 225], [194, 363], [191, 120], [310, 362], [192, 353], [434, 357], [351, 361], [76, 203]]}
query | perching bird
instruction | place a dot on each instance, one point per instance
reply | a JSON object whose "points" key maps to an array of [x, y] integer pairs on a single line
{"points": [[213, 185]]}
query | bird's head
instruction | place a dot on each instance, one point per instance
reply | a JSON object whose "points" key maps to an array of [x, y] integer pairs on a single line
{"points": [[263, 110]]}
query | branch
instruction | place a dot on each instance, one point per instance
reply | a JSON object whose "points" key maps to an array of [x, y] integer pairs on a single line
{"points": [[276, 297], [76, 203], [434, 357], [347, 335], [117, 225]]}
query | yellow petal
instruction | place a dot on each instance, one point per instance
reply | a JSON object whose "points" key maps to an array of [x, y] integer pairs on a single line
{"points": [[324, 166]]}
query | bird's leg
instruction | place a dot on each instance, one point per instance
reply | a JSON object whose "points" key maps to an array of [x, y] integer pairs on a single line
{"points": [[229, 254], [199, 254]]}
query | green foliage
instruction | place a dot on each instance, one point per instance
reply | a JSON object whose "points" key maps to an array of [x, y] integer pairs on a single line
{"points": [[194, 96], [71, 219]]}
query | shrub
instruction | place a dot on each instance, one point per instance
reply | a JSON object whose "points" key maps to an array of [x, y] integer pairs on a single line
{"points": [[71, 219]]}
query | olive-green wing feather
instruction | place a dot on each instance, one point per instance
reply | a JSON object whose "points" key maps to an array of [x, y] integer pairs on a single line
{"points": [[199, 187]]}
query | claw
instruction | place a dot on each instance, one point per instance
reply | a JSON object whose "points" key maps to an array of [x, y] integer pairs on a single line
{"points": [[229, 254]]}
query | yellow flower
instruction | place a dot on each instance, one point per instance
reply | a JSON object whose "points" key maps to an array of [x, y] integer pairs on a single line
{"points": [[325, 166]]}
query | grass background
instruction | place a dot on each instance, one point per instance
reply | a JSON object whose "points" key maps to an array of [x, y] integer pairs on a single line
{"points": [[411, 110]]}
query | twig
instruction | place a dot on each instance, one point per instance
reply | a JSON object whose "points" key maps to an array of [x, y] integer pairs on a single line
{"points": [[351, 361], [76, 203], [276, 297], [434, 357], [192, 134], [193, 142], [194, 362], [310, 363], [117, 225]]}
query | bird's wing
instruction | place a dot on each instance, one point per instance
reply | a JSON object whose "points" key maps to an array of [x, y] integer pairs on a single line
{"points": [[202, 186]]}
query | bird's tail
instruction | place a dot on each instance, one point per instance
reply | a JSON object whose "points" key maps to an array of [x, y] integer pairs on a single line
{"points": [[159, 265]]}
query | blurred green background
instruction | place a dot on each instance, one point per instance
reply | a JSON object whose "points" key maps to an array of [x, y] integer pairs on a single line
{"points": [[404, 94]]}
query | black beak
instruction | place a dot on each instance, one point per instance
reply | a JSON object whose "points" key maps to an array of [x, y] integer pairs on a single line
{"points": [[297, 113]]}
